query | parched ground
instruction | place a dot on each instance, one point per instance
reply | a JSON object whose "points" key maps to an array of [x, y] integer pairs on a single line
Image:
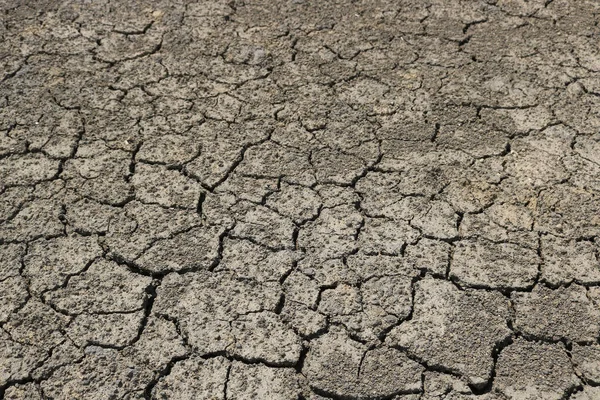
{"points": [[297, 199]]}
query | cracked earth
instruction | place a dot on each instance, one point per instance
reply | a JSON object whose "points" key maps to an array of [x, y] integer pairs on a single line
{"points": [[300, 200]]}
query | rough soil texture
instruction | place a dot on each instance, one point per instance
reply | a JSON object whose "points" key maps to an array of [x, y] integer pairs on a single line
{"points": [[299, 199]]}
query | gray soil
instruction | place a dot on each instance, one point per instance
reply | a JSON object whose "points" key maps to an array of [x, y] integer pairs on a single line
{"points": [[298, 199]]}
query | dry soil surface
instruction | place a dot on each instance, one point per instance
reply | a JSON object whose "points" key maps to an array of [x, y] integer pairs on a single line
{"points": [[300, 199]]}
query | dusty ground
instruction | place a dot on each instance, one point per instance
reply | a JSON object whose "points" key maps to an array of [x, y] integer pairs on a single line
{"points": [[300, 200]]}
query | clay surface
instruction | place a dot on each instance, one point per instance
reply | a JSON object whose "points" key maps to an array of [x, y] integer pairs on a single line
{"points": [[300, 199]]}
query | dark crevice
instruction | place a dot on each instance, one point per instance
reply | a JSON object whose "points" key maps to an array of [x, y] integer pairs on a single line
{"points": [[436, 131], [160, 375], [133, 162], [226, 383], [496, 351], [201, 199]]}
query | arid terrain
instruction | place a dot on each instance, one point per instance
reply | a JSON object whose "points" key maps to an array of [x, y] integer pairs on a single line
{"points": [[300, 199]]}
